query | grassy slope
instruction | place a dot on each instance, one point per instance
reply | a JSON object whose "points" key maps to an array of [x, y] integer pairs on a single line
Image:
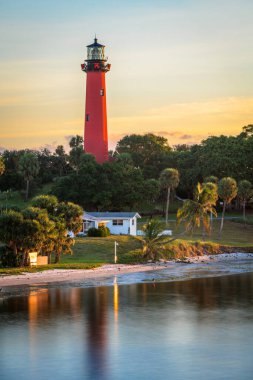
{"points": [[100, 250], [234, 233], [17, 199]]}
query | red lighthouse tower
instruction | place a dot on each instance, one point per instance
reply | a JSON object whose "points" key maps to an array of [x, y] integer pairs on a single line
{"points": [[95, 125]]}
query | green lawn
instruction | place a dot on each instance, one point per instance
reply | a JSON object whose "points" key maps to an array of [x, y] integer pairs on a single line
{"points": [[234, 233], [100, 250], [13, 199]]}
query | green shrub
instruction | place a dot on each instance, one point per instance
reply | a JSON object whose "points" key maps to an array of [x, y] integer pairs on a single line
{"points": [[7, 258], [93, 232], [98, 232], [104, 231]]}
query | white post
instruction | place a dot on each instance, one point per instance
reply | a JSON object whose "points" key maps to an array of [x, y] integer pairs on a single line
{"points": [[115, 252]]}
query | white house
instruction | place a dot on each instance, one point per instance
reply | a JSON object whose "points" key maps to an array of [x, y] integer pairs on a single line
{"points": [[119, 223]]}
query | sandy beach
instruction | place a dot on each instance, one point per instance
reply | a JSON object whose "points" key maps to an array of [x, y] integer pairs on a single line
{"points": [[67, 275], [192, 267]]}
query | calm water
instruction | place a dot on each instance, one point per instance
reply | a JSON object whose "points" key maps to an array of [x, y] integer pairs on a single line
{"points": [[198, 329]]}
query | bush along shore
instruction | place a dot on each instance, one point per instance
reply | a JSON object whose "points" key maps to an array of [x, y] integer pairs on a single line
{"points": [[182, 249]]}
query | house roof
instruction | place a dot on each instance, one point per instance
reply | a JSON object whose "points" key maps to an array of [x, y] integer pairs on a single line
{"points": [[111, 215], [88, 216]]}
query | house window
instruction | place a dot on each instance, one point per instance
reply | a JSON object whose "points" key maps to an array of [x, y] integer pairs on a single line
{"points": [[117, 222], [132, 222], [87, 117], [87, 225], [102, 91]]}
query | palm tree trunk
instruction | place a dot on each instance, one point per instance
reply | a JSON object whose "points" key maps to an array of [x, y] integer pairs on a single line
{"points": [[167, 205], [15, 251], [244, 212], [211, 223], [24, 262], [27, 190], [203, 230], [57, 257], [222, 219]]}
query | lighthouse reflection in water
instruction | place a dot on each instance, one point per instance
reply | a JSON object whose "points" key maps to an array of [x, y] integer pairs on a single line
{"points": [[178, 330]]}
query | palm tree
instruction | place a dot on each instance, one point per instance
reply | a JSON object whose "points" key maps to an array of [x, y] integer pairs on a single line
{"points": [[245, 192], [76, 152], [76, 141], [61, 241], [169, 179], [29, 168], [153, 240], [227, 191], [60, 159], [197, 211], [2, 166], [212, 185]]}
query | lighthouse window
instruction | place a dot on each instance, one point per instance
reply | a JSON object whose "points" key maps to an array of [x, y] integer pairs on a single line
{"points": [[102, 92], [87, 117]]}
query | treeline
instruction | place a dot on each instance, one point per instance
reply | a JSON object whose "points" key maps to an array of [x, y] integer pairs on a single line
{"points": [[132, 177], [219, 156], [36, 168]]}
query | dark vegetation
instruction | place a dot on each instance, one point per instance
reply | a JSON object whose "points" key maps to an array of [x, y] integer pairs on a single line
{"points": [[132, 178], [41, 227], [143, 174]]}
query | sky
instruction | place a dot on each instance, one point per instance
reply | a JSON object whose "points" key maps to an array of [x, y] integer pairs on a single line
{"points": [[180, 68]]}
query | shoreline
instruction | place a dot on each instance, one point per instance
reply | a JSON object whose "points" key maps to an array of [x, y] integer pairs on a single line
{"points": [[70, 275], [199, 266]]}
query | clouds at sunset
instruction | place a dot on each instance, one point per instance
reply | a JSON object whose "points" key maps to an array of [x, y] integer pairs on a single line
{"points": [[190, 122]]}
